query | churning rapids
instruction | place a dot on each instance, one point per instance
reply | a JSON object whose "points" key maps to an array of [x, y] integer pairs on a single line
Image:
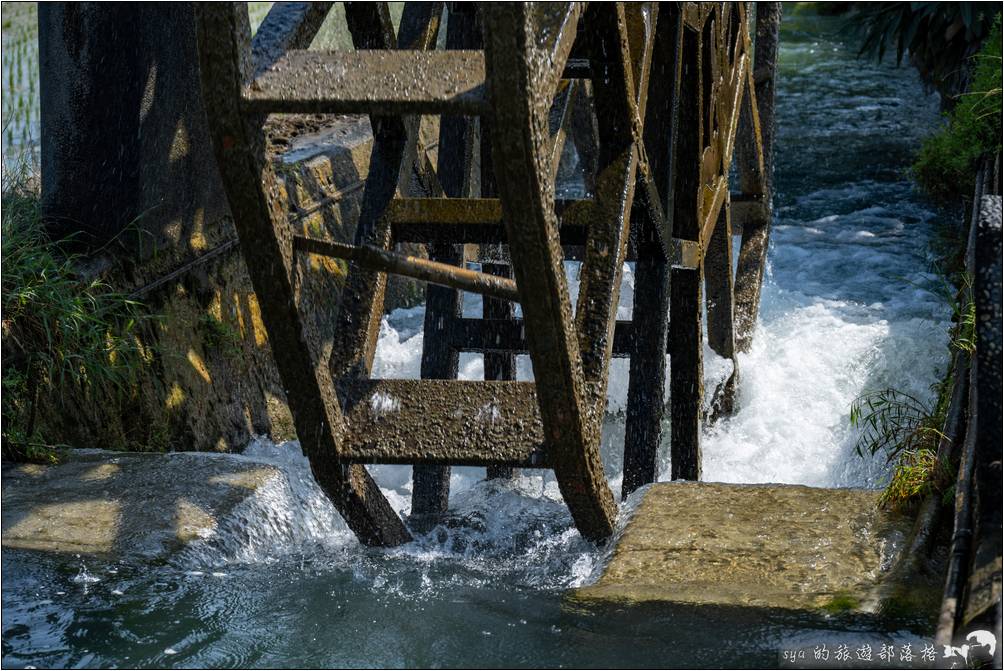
{"points": [[848, 306]]}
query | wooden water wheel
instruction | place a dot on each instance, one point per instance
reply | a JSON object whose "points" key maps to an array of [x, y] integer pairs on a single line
{"points": [[650, 93]]}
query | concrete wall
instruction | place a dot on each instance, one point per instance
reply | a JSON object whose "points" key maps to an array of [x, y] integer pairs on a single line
{"points": [[127, 168]]}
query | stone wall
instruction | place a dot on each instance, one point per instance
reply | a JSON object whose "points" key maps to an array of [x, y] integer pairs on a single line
{"points": [[128, 170]]}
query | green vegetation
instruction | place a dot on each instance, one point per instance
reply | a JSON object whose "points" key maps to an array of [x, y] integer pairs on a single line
{"points": [[940, 37], [842, 602], [917, 474], [20, 101], [949, 160], [954, 46], [907, 429], [219, 336], [65, 337]]}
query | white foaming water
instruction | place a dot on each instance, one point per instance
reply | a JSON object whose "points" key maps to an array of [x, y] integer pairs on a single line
{"points": [[287, 515], [817, 347], [847, 308], [519, 528]]}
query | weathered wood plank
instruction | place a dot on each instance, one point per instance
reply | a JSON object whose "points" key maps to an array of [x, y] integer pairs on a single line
{"points": [[372, 81], [523, 173], [459, 422]]}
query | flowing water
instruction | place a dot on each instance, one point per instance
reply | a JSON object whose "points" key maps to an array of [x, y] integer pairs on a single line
{"points": [[848, 306]]}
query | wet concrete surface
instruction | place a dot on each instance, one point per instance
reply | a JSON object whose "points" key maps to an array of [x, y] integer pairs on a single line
{"points": [[785, 547], [116, 504]]}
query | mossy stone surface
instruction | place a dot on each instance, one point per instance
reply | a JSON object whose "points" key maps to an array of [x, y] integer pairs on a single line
{"points": [[762, 546]]}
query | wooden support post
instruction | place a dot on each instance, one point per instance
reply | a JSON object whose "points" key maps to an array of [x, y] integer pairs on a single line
{"points": [[685, 337], [265, 240], [755, 162], [718, 283], [647, 382], [497, 365], [443, 306], [646, 400], [431, 484]]}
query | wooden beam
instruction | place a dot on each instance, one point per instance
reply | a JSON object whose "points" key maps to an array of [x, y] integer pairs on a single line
{"points": [[382, 261], [461, 422]]}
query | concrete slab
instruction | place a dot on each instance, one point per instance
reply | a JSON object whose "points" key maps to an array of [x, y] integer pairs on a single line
{"points": [[762, 546], [117, 504]]}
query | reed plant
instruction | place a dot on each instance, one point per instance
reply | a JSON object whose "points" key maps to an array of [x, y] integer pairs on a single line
{"points": [[67, 337]]}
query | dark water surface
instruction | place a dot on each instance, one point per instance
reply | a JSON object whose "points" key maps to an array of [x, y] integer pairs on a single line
{"points": [[846, 308]]}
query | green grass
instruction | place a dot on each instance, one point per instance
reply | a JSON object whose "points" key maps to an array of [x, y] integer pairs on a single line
{"points": [[19, 112], [947, 163], [908, 429], [917, 474], [66, 337]]}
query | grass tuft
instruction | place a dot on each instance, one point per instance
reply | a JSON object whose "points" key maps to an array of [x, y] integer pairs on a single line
{"points": [[65, 337], [907, 429], [917, 474]]}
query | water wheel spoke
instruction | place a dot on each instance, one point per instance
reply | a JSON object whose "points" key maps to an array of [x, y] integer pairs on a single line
{"points": [[555, 25], [392, 161], [224, 50], [499, 363], [720, 310], [522, 100], [652, 97], [754, 159], [615, 99], [443, 306]]}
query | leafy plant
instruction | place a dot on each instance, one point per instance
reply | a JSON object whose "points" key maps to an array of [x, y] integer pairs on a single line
{"points": [[940, 37], [894, 422], [64, 336], [947, 163], [907, 429], [917, 474], [963, 336]]}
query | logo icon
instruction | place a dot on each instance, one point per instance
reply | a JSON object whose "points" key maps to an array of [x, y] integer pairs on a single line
{"points": [[981, 642]]}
